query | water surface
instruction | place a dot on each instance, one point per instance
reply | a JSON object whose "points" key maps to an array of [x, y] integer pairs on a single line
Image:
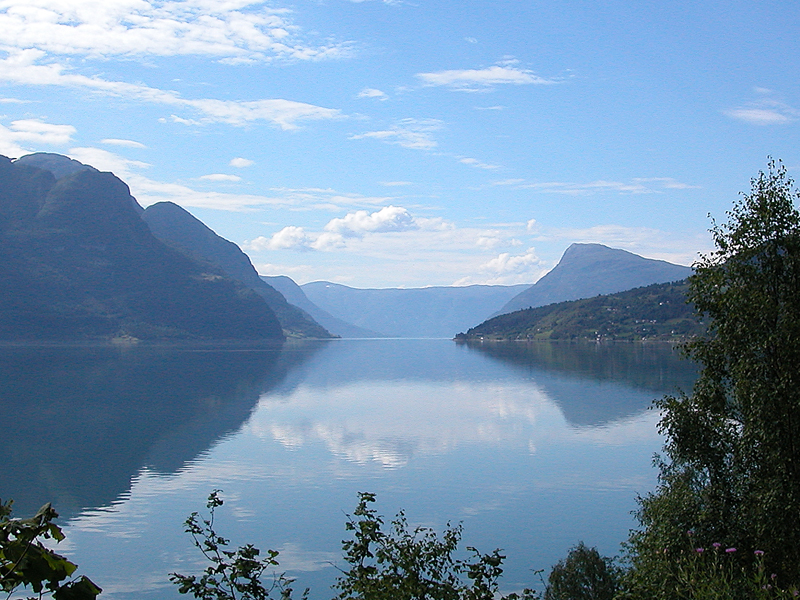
{"points": [[533, 447]]}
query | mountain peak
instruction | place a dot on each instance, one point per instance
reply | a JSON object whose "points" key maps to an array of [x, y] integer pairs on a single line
{"points": [[59, 165], [587, 270]]}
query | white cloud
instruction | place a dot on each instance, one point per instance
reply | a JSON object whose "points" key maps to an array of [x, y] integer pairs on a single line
{"points": [[474, 162], [288, 238], [23, 67], [220, 177], [125, 143], [373, 93], [230, 31], [473, 80], [635, 186], [241, 163], [22, 131], [765, 111], [415, 134], [396, 183], [389, 218], [508, 269]]}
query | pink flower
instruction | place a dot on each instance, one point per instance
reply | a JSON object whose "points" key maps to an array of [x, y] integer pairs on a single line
{"points": [[699, 550], [729, 550], [716, 545], [759, 553]]}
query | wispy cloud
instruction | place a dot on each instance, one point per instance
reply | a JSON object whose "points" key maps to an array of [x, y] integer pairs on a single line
{"points": [[23, 68], [474, 162], [639, 185], [416, 134], [13, 139], [220, 177], [476, 80], [764, 110], [125, 143], [230, 31]]}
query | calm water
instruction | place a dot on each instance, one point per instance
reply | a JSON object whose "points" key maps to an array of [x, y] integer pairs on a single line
{"points": [[532, 447]]}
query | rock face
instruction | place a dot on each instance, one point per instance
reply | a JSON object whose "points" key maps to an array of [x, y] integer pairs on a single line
{"points": [[179, 229], [588, 270], [79, 263]]}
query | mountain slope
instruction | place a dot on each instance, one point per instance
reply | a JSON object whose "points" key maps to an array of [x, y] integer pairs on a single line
{"points": [[587, 270], [178, 228], [295, 295], [658, 311], [79, 263], [418, 312]]}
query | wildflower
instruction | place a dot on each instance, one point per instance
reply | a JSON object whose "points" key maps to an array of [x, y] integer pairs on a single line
{"points": [[759, 553], [699, 550], [716, 545], [729, 550], [690, 532]]}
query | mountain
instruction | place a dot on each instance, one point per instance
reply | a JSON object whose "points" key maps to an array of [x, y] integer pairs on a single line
{"points": [[417, 312], [80, 264], [587, 270], [658, 311], [177, 228], [294, 294]]}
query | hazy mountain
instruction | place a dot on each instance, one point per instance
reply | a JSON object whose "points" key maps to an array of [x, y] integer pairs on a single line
{"points": [[79, 263], [658, 311], [587, 270], [295, 295], [176, 227], [417, 312]]}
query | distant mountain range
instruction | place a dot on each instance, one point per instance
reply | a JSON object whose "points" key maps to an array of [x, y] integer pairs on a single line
{"points": [[84, 261], [587, 270], [409, 313], [79, 263], [656, 312]]}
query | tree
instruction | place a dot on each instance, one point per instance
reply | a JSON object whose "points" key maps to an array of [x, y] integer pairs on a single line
{"points": [[582, 575], [26, 563], [233, 574], [404, 564], [732, 468]]}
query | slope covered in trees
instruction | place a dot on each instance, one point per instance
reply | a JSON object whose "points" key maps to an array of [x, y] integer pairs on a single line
{"points": [[657, 311]]}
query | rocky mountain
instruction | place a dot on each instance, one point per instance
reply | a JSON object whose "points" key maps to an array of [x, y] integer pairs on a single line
{"points": [[177, 228], [416, 312], [295, 295], [655, 312], [79, 263], [587, 270]]}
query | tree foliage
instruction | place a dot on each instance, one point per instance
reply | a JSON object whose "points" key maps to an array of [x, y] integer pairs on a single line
{"points": [[27, 564], [583, 575], [233, 574], [732, 472]]}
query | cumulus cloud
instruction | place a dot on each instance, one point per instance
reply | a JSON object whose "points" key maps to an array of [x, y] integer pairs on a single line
{"points": [[241, 163], [339, 231], [232, 31], [475, 80], [508, 269], [373, 93], [125, 143], [24, 68], [416, 134]]}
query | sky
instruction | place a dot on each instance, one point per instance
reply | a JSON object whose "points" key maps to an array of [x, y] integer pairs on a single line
{"points": [[408, 143]]}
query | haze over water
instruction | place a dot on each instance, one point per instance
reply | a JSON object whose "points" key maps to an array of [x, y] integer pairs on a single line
{"points": [[532, 447]]}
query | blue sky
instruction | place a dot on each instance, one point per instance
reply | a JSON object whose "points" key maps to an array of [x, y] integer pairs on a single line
{"points": [[408, 143]]}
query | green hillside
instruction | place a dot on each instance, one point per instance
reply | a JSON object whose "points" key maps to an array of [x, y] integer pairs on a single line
{"points": [[654, 312]]}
